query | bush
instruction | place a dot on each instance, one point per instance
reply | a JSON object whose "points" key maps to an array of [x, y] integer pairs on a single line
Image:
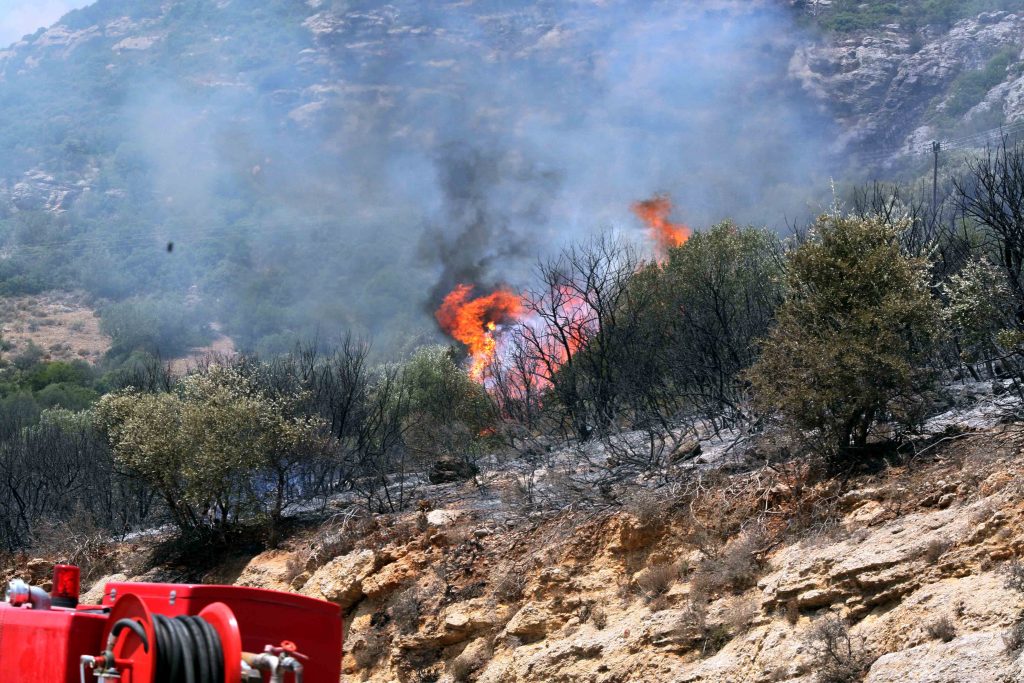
{"points": [[219, 445], [971, 87], [65, 395], [719, 292], [160, 326], [934, 551], [1013, 639], [448, 413], [404, 610], [740, 615], [838, 656], [657, 579], [735, 568], [942, 629], [856, 325]]}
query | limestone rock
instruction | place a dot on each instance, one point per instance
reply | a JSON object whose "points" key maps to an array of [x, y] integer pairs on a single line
{"points": [[442, 518], [94, 595], [532, 622], [977, 657], [268, 570], [341, 579], [630, 533], [390, 578]]}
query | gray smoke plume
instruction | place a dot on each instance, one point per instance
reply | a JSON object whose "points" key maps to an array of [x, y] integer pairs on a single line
{"points": [[486, 192], [342, 165]]}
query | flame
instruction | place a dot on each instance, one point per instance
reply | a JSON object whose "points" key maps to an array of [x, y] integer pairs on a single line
{"points": [[473, 322], [654, 213]]}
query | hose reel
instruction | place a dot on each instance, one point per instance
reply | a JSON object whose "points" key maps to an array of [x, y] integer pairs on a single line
{"points": [[142, 647]]}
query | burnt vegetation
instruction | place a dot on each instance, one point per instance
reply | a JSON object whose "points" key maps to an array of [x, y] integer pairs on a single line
{"points": [[828, 347]]}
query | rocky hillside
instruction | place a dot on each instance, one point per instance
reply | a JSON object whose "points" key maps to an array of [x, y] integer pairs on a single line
{"points": [[895, 87], [250, 136], [735, 573]]}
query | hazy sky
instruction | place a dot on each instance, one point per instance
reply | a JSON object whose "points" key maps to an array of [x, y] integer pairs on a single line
{"points": [[19, 17]]}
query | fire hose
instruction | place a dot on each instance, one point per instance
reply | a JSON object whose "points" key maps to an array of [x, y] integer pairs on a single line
{"points": [[188, 649]]}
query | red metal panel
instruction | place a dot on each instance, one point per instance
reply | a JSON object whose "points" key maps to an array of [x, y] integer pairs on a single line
{"points": [[44, 646], [264, 617]]}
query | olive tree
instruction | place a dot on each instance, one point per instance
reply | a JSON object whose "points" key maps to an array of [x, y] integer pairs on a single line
{"points": [[216, 448], [851, 335]]}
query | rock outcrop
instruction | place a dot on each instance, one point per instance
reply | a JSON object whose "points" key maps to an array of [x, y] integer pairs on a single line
{"points": [[915, 563]]}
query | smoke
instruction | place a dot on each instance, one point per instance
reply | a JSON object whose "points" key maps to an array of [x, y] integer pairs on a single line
{"points": [[485, 192], [343, 165]]}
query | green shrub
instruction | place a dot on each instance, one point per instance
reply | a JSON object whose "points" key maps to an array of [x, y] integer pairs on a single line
{"points": [[856, 324], [448, 413], [971, 87], [844, 16], [207, 446], [159, 326], [66, 395]]}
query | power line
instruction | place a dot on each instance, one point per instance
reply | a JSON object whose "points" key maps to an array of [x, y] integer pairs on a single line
{"points": [[963, 142], [159, 237]]}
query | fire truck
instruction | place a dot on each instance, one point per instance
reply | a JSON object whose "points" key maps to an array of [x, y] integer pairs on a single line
{"points": [[166, 633]]}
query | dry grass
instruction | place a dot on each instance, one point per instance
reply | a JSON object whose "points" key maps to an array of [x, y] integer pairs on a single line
{"points": [[934, 551], [792, 611], [509, 585], [60, 323], [657, 579], [598, 617], [221, 347], [838, 656], [404, 610], [295, 565], [740, 615], [78, 541], [942, 629]]}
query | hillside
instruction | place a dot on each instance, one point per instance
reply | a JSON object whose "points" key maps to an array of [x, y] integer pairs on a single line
{"points": [[729, 581], [312, 168], [436, 311]]}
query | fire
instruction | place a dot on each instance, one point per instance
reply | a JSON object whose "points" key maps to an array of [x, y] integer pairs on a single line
{"points": [[654, 213], [556, 327], [473, 321]]}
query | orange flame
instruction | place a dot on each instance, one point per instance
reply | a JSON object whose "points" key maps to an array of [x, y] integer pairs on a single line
{"points": [[474, 321], [654, 213]]}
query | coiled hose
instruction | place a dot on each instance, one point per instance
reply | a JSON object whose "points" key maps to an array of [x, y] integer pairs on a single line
{"points": [[188, 650]]}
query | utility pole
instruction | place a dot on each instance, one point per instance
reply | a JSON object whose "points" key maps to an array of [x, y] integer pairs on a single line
{"points": [[936, 148]]}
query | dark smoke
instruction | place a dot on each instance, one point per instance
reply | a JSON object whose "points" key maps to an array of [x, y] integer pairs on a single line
{"points": [[485, 192], [340, 166]]}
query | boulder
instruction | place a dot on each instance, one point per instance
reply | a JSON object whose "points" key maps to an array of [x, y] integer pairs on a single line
{"points": [[976, 657], [341, 580], [94, 595], [449, 470], [531, 623]]}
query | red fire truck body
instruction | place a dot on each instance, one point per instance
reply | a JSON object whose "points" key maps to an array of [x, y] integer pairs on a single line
{"points": [[151, 633]]}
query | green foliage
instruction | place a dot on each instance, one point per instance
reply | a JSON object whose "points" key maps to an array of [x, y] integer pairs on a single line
{"points": [[66, 395], [723, 286], [58, 372], [713, 298], [29, 356], [203, 446], [843, 16], [159, 326], [447, 411], [48, 384], [856, 324], [980, 307], [970, 87]]}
